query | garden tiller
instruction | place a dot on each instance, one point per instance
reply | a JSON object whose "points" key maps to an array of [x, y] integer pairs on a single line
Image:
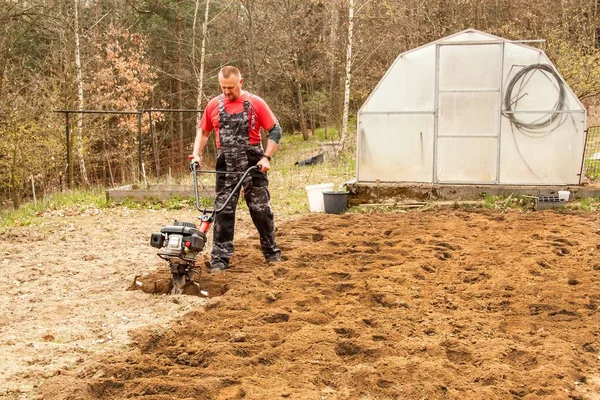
{"points": [[180, 243]]}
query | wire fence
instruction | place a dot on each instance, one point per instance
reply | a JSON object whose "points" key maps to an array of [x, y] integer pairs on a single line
{"points": [[152, 146], [129, 146], [591, 159]]}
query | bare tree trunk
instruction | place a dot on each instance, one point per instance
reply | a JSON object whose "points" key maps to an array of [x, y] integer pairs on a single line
{"points": [[179, 87], [123, 163], [108, 161], [348, 75], [200, 75], [333, 44], [294, 76], [596, 35], [2, 69], [104, 177], [80, 149], [312, 116], [14, 190], [298, 86]]}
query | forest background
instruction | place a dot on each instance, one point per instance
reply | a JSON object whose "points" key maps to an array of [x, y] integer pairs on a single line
{"points": [[299, 55]]}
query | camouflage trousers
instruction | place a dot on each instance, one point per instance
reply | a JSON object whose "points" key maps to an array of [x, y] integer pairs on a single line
{"points": [[257, 196]]}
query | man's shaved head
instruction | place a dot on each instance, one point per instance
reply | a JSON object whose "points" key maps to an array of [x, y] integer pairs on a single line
{"points": [[228, 71]]}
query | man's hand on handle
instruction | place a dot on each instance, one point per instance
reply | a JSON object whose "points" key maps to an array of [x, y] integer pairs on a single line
{"points": [[264, 165], [195, 160]]}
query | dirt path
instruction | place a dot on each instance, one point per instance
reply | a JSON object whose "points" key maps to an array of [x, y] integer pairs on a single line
{"points": [[439, 304], [63, 294]]}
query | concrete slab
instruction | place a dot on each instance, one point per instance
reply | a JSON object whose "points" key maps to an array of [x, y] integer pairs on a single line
{"points": [[160, 192], [366, 193]]}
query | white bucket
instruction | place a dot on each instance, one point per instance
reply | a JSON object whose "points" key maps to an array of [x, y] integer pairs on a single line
{"points": [[563, 195], [315, 196]]}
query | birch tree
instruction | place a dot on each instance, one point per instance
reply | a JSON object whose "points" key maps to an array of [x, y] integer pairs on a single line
{"points": [[80, 148], [344, 135], [200, 74], [333, 42]]}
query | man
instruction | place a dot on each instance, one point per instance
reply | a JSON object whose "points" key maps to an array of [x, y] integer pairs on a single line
{"points": [[236, 116]]}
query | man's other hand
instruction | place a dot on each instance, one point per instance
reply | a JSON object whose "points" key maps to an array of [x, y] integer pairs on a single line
{"points": [[195, 160], [264, 165]]}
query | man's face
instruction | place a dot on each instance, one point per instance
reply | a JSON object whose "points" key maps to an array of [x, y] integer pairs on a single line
{"points": [[232, 86]]}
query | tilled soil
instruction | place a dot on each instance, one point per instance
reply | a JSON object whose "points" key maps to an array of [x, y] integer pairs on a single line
{"points": [[441, 304]]}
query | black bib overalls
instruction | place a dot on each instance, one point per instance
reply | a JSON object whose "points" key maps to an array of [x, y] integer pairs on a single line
{"points": [[236, 154]]}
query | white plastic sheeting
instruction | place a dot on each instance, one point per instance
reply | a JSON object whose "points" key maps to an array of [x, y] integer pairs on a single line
{"points": [[397, 145], [471, 108], [408, 85]]}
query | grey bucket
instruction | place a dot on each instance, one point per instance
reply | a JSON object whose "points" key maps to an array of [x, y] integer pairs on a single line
{"points": [[335, 202]]}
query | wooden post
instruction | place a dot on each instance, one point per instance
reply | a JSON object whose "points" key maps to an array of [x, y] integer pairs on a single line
{"points": [[112, 178], [33, 190], [144, 175]]}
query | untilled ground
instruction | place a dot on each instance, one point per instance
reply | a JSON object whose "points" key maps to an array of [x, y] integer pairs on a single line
{"points": [[63, 291], [434, 304]]}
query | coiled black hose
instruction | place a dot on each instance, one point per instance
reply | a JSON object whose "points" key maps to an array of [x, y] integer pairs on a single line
{"points": [[552, 115]]}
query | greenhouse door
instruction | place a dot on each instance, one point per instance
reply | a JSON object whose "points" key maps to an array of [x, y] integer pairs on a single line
{"points": [[468, 112]]}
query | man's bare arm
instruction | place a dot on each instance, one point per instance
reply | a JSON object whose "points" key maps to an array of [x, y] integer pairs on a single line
{"points": [[199, 144]]}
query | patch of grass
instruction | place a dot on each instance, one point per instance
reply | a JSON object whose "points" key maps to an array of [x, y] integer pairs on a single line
{"points": [[30, 213], [489, 201], [327, 134], [92, 197], [177, 203], [510, 201], [82, 200], [130, 203], [589, 204], [172, 203], [525, 203]]}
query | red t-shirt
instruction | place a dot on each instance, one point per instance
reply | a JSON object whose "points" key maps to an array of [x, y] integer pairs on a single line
{"points": [[263, 116]]}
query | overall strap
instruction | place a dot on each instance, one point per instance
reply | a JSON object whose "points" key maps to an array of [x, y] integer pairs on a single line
{"points": [[248, 106], [221, 105]]}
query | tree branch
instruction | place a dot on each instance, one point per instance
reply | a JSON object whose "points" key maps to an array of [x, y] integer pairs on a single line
{"points": [[132, 3]]}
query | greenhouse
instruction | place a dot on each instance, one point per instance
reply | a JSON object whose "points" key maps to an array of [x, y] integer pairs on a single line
{"points": [[472, 108]]}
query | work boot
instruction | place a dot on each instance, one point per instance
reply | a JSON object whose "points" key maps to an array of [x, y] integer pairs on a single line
{"points": [[273, 258], [218, 267]]}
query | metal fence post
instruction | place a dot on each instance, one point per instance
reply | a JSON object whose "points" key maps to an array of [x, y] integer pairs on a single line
{"points": [[154, 150], [140, 113], [69, 166]]}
